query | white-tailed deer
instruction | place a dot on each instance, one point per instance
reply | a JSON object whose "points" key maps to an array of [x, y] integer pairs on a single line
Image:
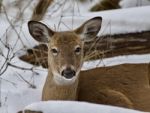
{"points": [[66, 82]]}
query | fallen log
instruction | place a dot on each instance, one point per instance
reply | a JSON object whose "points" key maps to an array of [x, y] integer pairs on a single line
{"points": [[119, 44], [103, 47]]}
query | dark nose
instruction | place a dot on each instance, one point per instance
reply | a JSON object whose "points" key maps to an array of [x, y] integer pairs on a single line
{"points": [[68, 73]]}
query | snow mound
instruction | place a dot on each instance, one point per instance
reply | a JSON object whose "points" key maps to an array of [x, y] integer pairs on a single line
{"points": [[119, 21], [130, 59], [76, 107], [134, 3]]}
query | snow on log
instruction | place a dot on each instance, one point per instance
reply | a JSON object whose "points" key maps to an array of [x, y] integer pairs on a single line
{"points": [[74, 107]]}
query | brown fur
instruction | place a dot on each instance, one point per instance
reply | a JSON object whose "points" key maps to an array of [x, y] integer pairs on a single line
{"points": [[64, 40], [124, 85], [51, 91], [131, 80], [62, 92]]}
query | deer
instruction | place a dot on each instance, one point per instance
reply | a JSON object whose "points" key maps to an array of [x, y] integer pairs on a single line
{"points": [[66, 81]]}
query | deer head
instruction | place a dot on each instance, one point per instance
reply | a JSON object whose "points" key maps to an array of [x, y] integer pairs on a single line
{"points": [[65, 49]]}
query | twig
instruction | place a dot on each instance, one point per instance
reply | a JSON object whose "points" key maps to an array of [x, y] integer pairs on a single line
{"points": [[7, 59], [31, 85], [14, 84], [22, 68], [13, 27]]}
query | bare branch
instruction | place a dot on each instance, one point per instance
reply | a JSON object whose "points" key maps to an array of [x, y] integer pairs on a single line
{"points": [[31, 85], [18, 67]]}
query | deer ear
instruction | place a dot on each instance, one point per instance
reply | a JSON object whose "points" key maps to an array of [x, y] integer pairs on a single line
{"points": [[39, 31], [89, 29]]}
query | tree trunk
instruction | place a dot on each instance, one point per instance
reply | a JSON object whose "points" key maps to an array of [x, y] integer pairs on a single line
{"points": [[120, 44]]}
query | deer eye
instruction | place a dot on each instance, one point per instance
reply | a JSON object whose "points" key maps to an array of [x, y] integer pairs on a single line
{"points": [[77, 50], [54, 51]]}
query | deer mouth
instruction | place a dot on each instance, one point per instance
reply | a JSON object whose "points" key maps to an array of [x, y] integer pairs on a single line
{"points": [[68, 76]]}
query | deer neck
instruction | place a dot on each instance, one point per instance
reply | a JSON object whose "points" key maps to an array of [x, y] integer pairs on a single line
{"points": [[53, 91]]}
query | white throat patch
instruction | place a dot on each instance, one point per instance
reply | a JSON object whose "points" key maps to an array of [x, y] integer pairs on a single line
{"points": [[60, 80]]}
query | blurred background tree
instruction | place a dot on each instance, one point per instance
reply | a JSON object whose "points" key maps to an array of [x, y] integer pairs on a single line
{"points": [[0, 4], [106, 5], [41, 9]]}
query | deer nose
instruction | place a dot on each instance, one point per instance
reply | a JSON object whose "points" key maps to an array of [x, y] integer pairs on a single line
{"points": [[68, 73]]}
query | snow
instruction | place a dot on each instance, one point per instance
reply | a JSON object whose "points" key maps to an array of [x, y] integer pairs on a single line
{"points": [[118, 21], [130, 59], [15, 90], [76, 107], [70, 7], [134, 3], [114, 22]]}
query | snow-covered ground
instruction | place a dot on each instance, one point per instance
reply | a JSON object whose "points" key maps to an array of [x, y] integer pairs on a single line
{"points": [[16, 84]]}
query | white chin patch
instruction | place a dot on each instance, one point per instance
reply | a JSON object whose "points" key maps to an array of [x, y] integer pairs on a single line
{"points": [[60, 80]]}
